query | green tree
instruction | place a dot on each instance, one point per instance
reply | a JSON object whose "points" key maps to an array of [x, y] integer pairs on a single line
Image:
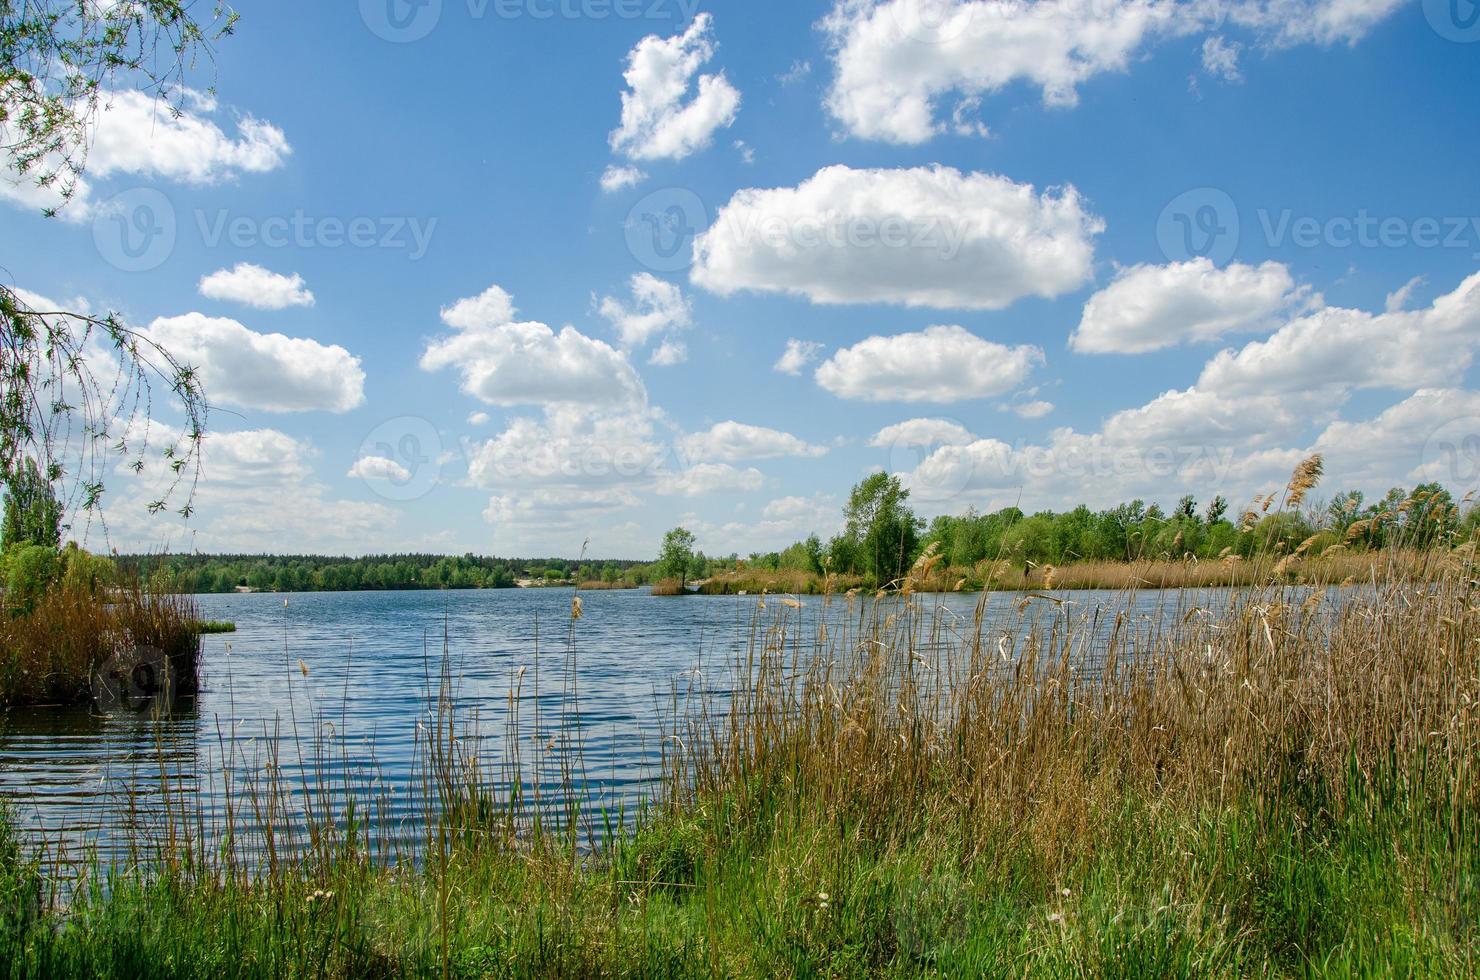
{"points": [[32, 513], [677, 556], [883, 531]]}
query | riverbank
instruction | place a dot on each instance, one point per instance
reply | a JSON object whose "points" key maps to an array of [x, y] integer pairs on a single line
{"points": [[1333, 568], [1273, 787]]}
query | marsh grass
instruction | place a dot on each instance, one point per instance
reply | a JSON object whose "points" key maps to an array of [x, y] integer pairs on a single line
{"points": [[50, 654], [1282, 785]]}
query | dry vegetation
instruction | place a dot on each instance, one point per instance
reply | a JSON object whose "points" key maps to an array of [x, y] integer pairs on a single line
{"points": [[52, 653]]}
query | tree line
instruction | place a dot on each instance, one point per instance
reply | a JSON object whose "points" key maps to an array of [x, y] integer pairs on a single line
{"points": [[882, 535]]}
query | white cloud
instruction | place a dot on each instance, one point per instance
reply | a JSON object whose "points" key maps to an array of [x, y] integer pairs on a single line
{"points": [[1220, 58], [1150, 307], [137, 135], [255, 286], [507, 363], [798, 354], [710, 479], [478, 418], [239, 506], [922, 432], [270, 372], [657, 122], [896, 61], [731, 442], [492, 308], [570, 448], [558, 509], [379, 468], [669, 354], [616, 178], [1031, 409], [1347, 349], [939, 364], [657, 308], [1390, 448], [931, 237]]}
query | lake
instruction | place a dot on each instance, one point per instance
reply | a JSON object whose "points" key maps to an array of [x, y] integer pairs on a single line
{"points": [[362, 674]]}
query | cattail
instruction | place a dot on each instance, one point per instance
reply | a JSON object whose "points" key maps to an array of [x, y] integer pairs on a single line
{"points": [[577, 609], [1358, 529], [1306, 476]]}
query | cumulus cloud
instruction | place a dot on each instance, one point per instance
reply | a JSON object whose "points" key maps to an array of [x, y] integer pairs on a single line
{"points": [[797, 355], [270, 372], [140, 136], [1349, 349], [252, 285], [379, 468], [708, 479], [731, 442], [922, 432], [1036, 409], [238, 506], [669, 353], [506, 363], [570, 448], [666, 115], [1150, 307], [616, 178], [939, 364], [657, 308], [898, 63], [922, 237]]}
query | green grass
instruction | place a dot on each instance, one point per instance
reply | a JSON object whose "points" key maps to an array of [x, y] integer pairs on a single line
{"points": [[212, 627], [1232, 893]]}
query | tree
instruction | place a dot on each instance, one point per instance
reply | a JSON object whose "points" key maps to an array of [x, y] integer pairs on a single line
{"points": [[883, 533], [1216, 509], [33, 516], [61, 61], [1187, 507], [677, 555]]}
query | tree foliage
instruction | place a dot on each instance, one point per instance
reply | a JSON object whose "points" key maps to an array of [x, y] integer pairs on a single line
{"points": [[677, 557], [33, 515], [77, 390]]}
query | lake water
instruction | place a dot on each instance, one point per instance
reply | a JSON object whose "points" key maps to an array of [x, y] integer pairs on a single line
{"points": [[361, 673]]}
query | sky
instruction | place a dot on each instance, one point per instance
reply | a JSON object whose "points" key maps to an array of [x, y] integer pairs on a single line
{"points": [[528, 277]]}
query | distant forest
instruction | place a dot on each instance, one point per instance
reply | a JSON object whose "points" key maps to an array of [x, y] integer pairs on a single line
{"points": [[304, 573]]}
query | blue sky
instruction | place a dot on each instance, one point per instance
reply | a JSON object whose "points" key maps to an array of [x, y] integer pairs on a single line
{"points": [[1078, 250]]}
